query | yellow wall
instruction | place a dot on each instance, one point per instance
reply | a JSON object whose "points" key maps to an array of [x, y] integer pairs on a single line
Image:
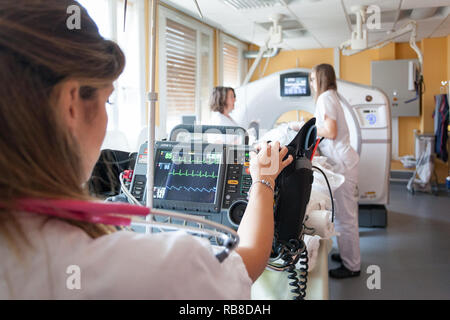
{"points": [[435, 70], [406, 125], [356, 68], [448, 57], [293, 59], [387, 52]]}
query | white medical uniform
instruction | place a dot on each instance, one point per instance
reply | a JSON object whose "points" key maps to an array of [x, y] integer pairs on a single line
{"points": [[122, 265], [219, 119], [345, 160]]}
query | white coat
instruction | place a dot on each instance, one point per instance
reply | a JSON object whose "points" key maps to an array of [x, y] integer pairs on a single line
{"points": [[219, 119], [65, 263], [345, 160]]}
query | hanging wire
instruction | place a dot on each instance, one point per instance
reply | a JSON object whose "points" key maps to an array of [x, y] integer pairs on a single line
{"points": [[125, 14]]}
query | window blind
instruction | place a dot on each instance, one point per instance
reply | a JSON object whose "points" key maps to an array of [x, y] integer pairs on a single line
{"points": [[181, 51], [230, 65]]}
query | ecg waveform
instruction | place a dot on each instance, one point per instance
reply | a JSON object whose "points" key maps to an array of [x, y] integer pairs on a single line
{"points": [[186, 173], [191, 189], [188, 160], [187, 177]]}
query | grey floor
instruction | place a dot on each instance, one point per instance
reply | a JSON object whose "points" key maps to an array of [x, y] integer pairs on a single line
{"points": [[413, 252]]}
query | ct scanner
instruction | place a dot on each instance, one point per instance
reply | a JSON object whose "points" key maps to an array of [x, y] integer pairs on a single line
{"points": [[368, 116]]}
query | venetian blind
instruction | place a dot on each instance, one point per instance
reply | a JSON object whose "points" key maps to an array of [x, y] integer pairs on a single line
{"points": [[181, 51], [230, 65]]}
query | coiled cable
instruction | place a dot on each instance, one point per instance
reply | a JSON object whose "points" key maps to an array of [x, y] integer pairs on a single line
{"points": [[303, 274], [297, 252]]}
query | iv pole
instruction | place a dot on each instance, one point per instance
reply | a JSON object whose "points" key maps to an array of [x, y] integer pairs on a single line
{"points": [[153, 98], [233, 238]]}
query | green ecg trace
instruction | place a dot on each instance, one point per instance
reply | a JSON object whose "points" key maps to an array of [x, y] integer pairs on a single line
{"points": [[192, 174], [194, 161]]}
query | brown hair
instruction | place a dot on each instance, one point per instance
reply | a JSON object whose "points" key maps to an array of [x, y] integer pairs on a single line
{"points": [[218, 101], [39, 158], [325, 77]]}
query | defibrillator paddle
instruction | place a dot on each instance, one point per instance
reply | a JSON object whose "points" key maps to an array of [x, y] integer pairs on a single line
{"points": [[293, 187]]}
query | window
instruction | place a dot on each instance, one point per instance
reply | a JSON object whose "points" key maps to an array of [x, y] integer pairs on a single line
{"points": [[230, 65], [233, 64], [131, 112], [185, 76], [181, 64], [96, 10], [127, 114], [206, 80]]}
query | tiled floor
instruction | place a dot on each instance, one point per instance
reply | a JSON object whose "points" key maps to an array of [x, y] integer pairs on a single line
{"points": [[413, 252]]}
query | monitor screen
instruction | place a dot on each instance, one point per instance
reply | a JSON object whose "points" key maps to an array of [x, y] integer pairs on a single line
{"points": [[189, 176], [294, 84]]}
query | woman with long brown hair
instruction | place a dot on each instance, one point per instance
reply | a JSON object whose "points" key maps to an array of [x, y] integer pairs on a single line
{"points": [[331, 124], [222, 104], [54, 83]]}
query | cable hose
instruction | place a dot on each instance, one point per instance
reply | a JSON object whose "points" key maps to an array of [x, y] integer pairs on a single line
{"points": [[329, 189], [300, 278], [303, 273]]}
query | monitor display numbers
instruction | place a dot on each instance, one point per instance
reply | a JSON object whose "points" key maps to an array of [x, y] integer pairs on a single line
{"points": [[295, 86]]}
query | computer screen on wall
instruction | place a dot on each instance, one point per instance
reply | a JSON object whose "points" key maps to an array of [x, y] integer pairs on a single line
{"points": [[294, 85]]}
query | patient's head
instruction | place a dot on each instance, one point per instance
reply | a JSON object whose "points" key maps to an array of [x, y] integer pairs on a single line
{"points": [[53, 87]]}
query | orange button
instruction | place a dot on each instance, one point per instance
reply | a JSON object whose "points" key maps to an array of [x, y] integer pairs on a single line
{"points": [[246, 164], [247, 170], [233, 182]]}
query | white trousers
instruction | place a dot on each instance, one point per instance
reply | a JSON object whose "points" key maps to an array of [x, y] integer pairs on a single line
{"points": [[346, 221]]}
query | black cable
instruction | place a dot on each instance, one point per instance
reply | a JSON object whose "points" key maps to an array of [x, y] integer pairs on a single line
{"points": [[125, 14], [295, 283], [300, 279], [303, 270], [331, 193], [293, 252]]}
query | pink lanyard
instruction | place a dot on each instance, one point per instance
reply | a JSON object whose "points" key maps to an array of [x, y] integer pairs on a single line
{"points": [[117, 214]]}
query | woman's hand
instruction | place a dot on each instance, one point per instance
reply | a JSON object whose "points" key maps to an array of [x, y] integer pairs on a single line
{"points": [[257, 226], [268, 163]]}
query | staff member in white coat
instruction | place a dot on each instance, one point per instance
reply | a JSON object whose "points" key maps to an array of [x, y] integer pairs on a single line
{"points": [[222, 103], [331, 125], [50, 140]]}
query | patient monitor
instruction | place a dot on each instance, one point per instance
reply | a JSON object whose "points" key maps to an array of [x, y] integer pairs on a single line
{"points": [[367, 111], [207, 180]]}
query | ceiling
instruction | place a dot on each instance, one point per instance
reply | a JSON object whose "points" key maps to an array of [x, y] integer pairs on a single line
{"points": [[311, 24]]}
